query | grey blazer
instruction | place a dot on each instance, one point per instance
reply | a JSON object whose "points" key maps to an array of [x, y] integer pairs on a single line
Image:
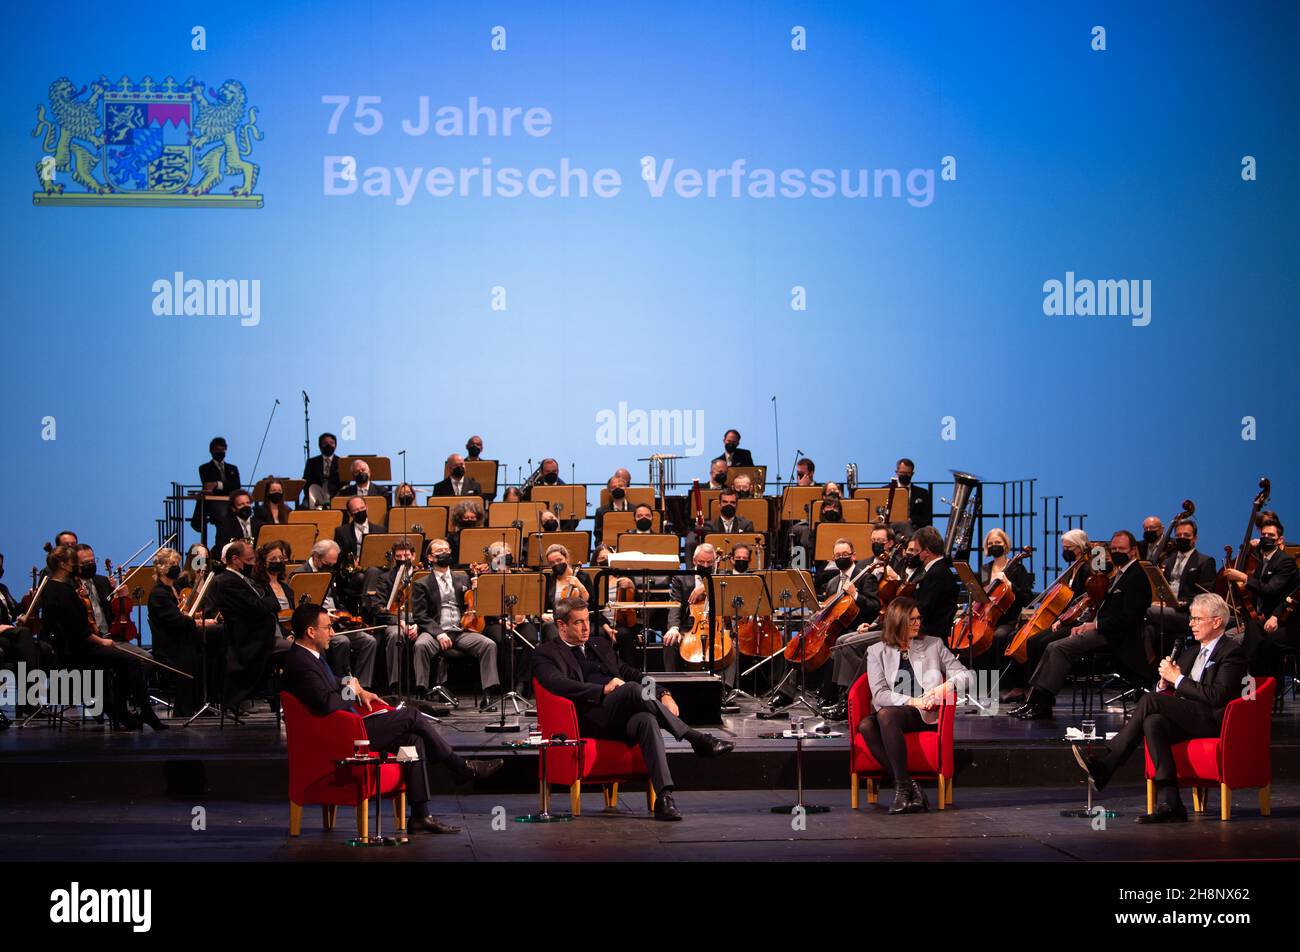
{"points": [[932, 662]]}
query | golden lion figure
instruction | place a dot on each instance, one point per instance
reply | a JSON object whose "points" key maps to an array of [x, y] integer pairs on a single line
{"points": [[72, 120], [221, 122]]}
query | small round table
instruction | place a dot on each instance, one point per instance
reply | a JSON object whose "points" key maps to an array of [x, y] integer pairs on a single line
{"points": [[377, 760], [799, 737], [1089, 812], [544, 796]]}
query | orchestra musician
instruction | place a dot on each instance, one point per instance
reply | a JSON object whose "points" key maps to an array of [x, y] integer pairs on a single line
{"points": [[237, 522], [456, 483], [999, 565], [361, 484], [617, 487], [919, 506], [500, 559], [17, 643], [270, 571], [309, 679], [321, 473], [273, 510], [1274, 578], [66, 537], [217, 478], [350, 651], [98, 587], [1153, 528], [805, 472], [250, 614], [474, 448], [561, 582], [1190, 701], [743, 485], [1189, 572], [685, 591], [405, 494], [351, 535], [911, 673], [1118, 625], [728, 520], [850, 649], [66, 616], [610, 702], [732, 453], [176, 637], [624, 633], [718, 474], [466, 514]]}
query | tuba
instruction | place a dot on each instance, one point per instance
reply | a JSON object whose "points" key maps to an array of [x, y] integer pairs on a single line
{"points": [[965, 505]]}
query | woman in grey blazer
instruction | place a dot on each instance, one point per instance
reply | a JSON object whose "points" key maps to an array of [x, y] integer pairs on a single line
{"points": [[910, 675]]}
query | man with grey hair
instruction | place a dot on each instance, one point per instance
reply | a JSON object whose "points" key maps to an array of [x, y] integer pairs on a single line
{"points": [[1192, 695], [349, 652]]}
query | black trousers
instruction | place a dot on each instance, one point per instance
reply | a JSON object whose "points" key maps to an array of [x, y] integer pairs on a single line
{"points": [[1264, 651], [886, 732], [19, 644], [125, 673], [407, 727], [624, 714], [1162, 720]]}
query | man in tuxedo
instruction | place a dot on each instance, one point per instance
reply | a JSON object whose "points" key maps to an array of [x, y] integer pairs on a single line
{"points": [[919, 506], [617, 487], [1274, 578], [732, 454], [1118, 626], [611, 702], [251, 617], [218, 478], [456, 482], [352, 533], [361, 484], [728, 520], [99, 586], [1153, 528], [309, 679], [1192, 695], [1189, 573], [323, 471], [237, 523]]}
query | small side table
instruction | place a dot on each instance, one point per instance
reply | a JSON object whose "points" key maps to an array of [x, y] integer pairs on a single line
{"points": [[1089, 812], [377, 760], [544, 814], [799, 737]]}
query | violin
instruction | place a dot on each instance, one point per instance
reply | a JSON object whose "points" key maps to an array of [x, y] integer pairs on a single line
{"points": [[27, 607], [120, 628], [470, 619], [974, 630], [888, 588]]}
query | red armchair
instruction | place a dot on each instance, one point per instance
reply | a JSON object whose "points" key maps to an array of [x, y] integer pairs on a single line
{"points": [[1237, 758], [315, 743], [606, 762], [929, 753]]}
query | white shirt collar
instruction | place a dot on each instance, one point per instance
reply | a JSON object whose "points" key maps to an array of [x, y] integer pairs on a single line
{"points": [[303, 645]]}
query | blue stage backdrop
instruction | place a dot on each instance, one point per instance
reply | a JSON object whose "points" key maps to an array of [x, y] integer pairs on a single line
{"points": [[1018, 239]]}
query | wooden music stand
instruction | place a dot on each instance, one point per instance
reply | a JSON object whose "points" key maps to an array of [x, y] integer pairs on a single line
{"points": [[138, 583], [482, 471], [381, 468], [650, 544], [879, 495], [748, 588], [971, 581], [616, 523], [578, 544], [755, 510], [572, 501], [794, 499], [313, 585], [300, 537], [292, 488], [503, 514], [858, 533], [854, 510], [724, 542], [474, 544], [430, 520], [325, 520], [505, 595], [376, 546]]}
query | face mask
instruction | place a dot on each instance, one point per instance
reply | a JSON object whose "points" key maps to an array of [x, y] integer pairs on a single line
{"points": [[877, 549], [830, 515], [904, 480], [276, 498], [1068, 556], [400, 562], [327, 450], [88, 570], [559, 568], [704, 569], [457, 472], [362, 479], [912, 561], [720, 479], [442, 559], [244, 512], [360, 516], [1267, 545], [509, 560], [1150, 535], [174, 572], [730, 446], [473, 450], [275, 568], [406, 500], [618, 492], [843, 562], [469, 522], [1119, 558], [997, 551], [643, 525], [1184, 545], [550, 525], [219, 455], [247, 568], [740, 565], [551, 478], [728, 511]]}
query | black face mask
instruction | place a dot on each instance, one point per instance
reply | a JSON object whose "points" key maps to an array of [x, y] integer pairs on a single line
{"points": [[360, 516], [1150, 536], [219, 455], [730, 447], [1120, 559], [843, 562], [509, 560], [728, 511], [1068, 556], [458, 472], [904, 480], [559, 568], [401, 562], [740, 565], [644, 524], [877, 549], [720, 479], [174, 572], [442, 559], [406, 500], [473, 450], [244, 512], [327, 450], [550, 525], [551, 478], [912, 561], [831, 515], [362, 479], [276, 498], [246, 569], [704, 569], [997, 551], [618, 492], [1267, 545], [1184, 545], [468, 523], [275, 568], [87, 570]]}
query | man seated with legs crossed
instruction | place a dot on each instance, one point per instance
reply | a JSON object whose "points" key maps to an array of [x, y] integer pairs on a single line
{"points": [[309, 678], [610, 700], [1194, 691]]}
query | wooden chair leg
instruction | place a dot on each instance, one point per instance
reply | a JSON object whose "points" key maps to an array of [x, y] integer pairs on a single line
{"points": [[873, 790], [611, 796], [1225, 802], [1151, 797], [650, 796], [328, 813], [1198, 804], [399, 812], [295, 819], [1265, 801], [363, 818], [943, 793], [947, 786], [575, 797], [853, 791]]}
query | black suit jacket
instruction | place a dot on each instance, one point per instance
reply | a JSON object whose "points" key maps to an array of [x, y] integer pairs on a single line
{"points": [[209, 473], [310, 680], [468, 487], [936, 597], [426, 600], [557, 670], [1123, 611], [868, 601], [1221, 680], [346, 537], [174, 632], [64, 621], [920, 510], [313, 474], [1272, 581], [739, 457], [1198, 575], [740, 524], [371, 490], [229, 530]]}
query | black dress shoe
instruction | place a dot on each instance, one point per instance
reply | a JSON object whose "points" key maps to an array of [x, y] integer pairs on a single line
{"points": [[152, 720], [665, 809], [427, 824], [1094, 767], [706, 745], [1164, 813], [920, 802], [837, 712], [902, 799], [1036, 712], [482, 769]]}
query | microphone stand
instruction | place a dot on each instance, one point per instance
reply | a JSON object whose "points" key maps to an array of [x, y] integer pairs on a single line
{"points": [[253, 474], [306, 427], [776, 426]]}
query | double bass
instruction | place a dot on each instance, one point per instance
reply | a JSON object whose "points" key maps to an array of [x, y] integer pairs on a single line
{"points": [[1246, 560], [973, 630], [1157, 555]]}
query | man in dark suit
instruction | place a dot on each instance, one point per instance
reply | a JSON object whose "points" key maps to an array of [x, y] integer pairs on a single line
{"points": [[218, 478], [1274, 578], [310, 679], [617, 487], [1153, 527], [99, 586], [920, 510], [251, 616], [238, 521], [685, 591], [1189, 573], [438, 603], [361, 484], [351, 534], [1193, 695], [456, 482], [728, 520], [732, 454], [611, 702], [323, 471], [937, 588], [1117, 626]]}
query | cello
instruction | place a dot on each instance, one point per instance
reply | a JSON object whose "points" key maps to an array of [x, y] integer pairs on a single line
{"points": [[1046, 609], [812, 646], [704, 626], [1246, 560], [1157, 555], [974, 629]]}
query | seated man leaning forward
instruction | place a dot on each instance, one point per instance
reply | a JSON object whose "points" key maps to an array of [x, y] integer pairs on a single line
{"points": [[310, 679], [610, 700]]}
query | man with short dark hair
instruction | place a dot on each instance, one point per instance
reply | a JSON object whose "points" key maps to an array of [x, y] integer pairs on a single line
{"points": [[729, 520], [1274, 579], [732, 453], [322, 472], [237, 523], [611, 702], [310, 679], [919, 505], [219, 478]]}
